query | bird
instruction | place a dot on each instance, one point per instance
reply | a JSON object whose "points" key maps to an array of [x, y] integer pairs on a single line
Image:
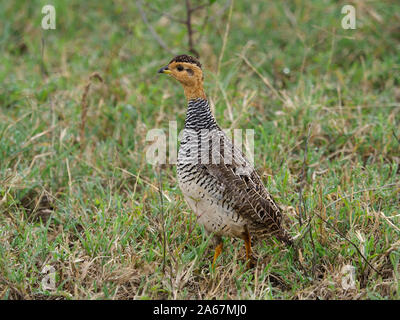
{"points": [[218, 182]]}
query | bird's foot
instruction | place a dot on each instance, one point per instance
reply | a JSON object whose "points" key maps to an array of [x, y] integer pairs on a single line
{"points": [[251, 263]]}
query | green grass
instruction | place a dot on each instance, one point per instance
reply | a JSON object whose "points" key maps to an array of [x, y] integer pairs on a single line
{"points": [[91, 208]]}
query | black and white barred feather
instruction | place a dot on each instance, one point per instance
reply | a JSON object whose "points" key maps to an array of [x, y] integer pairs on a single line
{"points": [[208, 160]]}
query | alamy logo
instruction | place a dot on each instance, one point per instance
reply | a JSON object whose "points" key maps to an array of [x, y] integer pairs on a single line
{"points": [[348, 277], [201, 146], [49, 280], [349, 20], [49, 20]]}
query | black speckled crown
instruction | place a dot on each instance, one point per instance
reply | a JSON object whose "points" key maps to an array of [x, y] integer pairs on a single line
{"points": [[186, 58]]}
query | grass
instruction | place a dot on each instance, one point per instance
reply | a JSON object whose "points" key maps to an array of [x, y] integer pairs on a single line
{"points": [[89, 205]]}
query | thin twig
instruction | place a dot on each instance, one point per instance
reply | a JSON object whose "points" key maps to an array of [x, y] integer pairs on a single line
{"points": [[42, 64], [348, 240], [340, 233], [308, 227], [389, 222], [188, 22], [189, 11], [264, 79], [151, 29]]}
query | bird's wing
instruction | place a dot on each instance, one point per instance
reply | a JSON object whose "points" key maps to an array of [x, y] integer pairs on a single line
{"points": [[243, 185]]}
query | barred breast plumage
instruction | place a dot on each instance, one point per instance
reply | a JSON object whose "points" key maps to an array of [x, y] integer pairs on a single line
{"points": [[225, 196], [203, 192]]}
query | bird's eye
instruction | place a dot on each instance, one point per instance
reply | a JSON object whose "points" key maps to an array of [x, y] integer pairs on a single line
{"points": [[180, 68]]}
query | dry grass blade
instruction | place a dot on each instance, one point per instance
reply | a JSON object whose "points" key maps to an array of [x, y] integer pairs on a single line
{"points": [[360, 191], [147, 182], [84, 106], [162, 217], [225, 39], [389, 222], [264, 79]]}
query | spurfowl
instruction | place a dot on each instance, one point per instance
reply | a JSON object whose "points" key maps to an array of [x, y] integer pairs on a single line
{"points": [[218, 182]]}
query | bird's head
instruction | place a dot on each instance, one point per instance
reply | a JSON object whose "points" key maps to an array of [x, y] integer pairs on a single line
{"points": [[187, 70]]}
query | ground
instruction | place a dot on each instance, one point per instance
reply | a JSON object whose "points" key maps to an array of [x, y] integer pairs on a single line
{"points": [[78, 195]]}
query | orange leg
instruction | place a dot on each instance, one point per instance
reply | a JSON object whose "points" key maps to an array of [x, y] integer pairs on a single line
{"points": [[249, 257], [218, 251]]}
